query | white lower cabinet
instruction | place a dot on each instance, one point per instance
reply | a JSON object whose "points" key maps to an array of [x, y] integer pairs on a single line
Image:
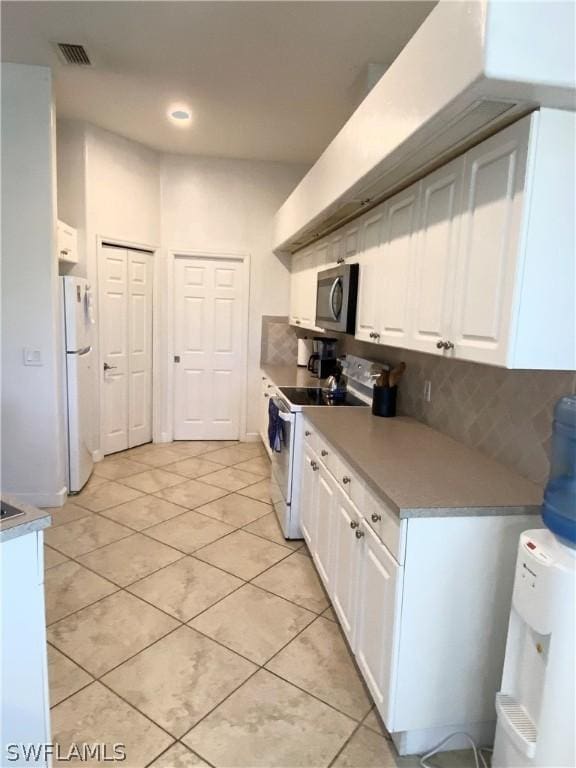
{"points": [[326, 492], [308, 514], [423, 602], [379, 608], [347, 548], [25, 709]]}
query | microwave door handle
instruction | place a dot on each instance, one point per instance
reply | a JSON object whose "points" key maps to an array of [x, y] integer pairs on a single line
{"points": [[331, 299]]}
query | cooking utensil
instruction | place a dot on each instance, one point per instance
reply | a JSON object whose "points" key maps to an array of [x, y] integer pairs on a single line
{"points": [[396, 374]]}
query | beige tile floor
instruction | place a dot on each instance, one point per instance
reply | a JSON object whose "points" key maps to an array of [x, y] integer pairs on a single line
{"points": [[181, 623]]}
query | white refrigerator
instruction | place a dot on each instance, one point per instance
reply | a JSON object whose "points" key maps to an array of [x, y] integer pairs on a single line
{"points": [[78, 323]]}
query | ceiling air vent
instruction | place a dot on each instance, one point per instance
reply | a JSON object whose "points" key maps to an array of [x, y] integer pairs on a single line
{"points": [[72, 53]]}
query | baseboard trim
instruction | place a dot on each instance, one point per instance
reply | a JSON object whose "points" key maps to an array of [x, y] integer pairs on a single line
{"points": [[251, 437], [57, 499]]}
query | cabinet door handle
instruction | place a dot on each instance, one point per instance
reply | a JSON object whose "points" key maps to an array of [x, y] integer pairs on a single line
{"points": [[109, 367], [314, 466], [346, 480], [323, 452], [354, 524], [375, 518], [359, 534], [307, 433]]}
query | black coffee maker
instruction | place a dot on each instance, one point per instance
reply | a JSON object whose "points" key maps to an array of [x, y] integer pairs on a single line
{"points": [[323, 361]]}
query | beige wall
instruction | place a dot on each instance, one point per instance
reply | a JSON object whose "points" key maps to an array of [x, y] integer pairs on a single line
{"points": [[113, 188]]}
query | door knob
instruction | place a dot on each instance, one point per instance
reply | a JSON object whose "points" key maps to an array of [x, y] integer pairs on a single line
{"points": [[109, 367]]}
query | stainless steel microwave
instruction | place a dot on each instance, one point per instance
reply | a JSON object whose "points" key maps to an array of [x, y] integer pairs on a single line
{"points": [[336, 296]]}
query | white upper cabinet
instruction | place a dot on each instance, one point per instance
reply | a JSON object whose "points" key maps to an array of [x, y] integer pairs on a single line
{"points": [[488, 254], [303, 289], [435, 256], [67, 243], [370, 282], [476, 260], [394, 275]]}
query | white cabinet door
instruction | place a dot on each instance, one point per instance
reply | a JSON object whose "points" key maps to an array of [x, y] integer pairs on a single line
{"points": [[435, 259], [308, 497], [322, 542], [309, 280], [303, 288], [347, 552], [378, 618], [371, 275], [489, 241], [394, 277]]}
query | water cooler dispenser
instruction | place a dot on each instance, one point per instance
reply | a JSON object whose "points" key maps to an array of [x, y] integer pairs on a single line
{"points": [[536, 707]]}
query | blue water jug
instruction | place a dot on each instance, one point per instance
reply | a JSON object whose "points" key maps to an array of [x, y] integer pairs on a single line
{"points": [[559, 506]]}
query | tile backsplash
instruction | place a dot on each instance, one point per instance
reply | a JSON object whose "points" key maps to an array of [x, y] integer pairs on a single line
{"points": [[279, 341], [505, 414]]}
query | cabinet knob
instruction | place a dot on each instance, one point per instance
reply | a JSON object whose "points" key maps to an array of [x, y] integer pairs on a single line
{"points": [[375, 518], [297, 322], [263, 378], [354, 524], [372, 334], [359, 534], [314, 466], [340, 261], [448, 345], [346, 480], [307, 433], [323, 452], [439, 345]]}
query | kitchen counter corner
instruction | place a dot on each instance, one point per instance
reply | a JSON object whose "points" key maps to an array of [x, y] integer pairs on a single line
{"points": [[33, 519]]}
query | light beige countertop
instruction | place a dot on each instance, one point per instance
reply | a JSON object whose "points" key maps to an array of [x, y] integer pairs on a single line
{"points": [[33, 519], [291, 376], [421, 472]]}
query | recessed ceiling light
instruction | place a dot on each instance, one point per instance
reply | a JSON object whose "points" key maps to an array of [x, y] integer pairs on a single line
{"points": [[180, 115]]}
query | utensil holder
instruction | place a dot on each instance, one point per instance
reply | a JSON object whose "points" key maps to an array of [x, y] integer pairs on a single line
{"points": [[384, 401]]}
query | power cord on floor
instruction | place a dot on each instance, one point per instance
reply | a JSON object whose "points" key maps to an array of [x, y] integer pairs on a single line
{"points": [[478, 756]]}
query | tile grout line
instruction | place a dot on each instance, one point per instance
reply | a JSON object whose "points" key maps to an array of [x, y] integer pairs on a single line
{"points": [[315, 615]]}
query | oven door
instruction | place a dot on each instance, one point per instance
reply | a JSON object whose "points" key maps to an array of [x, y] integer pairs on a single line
{"points": [[282, 461]]}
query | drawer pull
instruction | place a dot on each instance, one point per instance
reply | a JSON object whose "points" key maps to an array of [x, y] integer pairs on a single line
{"points": [[346, 480], [354, 524], [307, 433], [324, 453], [375, 518], [359, 534]]}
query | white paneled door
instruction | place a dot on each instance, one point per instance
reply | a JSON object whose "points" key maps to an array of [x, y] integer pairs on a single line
{"points": [[126, 348], [208, 348]]}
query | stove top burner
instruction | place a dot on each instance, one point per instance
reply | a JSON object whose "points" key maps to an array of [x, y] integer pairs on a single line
{"points": [[317, 396]]}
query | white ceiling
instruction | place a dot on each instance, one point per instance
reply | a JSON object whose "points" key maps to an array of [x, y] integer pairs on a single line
{"points": [[265, 80]]}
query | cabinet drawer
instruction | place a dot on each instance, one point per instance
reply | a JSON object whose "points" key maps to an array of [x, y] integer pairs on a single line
{"points": [[385, 523]]}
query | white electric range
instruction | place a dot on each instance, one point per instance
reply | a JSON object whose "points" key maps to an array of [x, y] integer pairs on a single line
{"points": [[287, 462]]}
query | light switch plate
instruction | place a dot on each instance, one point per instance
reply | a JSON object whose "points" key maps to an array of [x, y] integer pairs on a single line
{"points": [[32, 356]]}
